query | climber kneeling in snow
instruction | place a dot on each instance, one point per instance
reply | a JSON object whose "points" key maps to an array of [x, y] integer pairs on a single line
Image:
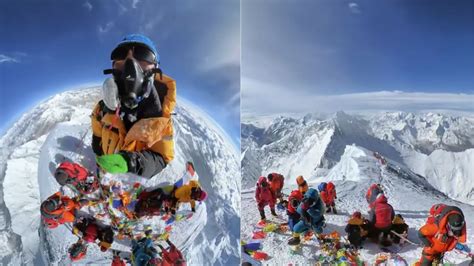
{"points": [[77, 177], [189, 193], [311, 210], [90, 230], [328, 196], [151, 203], [59, 209], [132, 126], [380, 219], [294, 201], [444, 230], [357, 229], [264, 196], [399, 228]]}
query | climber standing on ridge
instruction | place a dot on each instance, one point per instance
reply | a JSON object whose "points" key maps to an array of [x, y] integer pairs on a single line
{"points": [[132, 126], [264, 196], [302, 185], [276, 182], [328, 196], [372, 193]]}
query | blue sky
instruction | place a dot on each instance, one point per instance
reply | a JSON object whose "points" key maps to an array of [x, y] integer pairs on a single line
{"points": [[52, 46], [300, 51]]}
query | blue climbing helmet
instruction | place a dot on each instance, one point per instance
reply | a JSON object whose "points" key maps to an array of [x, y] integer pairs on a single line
{"points": [[322, 187], [138, 41]]}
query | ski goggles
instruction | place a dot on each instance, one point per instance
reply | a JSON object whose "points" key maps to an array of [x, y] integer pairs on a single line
{"points": [[140, 52], [456, 229], [264, 184]]}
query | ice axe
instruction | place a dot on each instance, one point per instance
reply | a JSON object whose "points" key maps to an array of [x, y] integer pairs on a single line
{"points": [[404, 238]]}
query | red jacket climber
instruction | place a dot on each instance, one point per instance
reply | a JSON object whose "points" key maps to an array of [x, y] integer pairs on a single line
{"points": [[264, 196]]}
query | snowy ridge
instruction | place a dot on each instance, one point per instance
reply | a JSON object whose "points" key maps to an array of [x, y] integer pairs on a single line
{"points": [[30, 127], [352, 175], [209, 237], [289, 146], [435, 146]]}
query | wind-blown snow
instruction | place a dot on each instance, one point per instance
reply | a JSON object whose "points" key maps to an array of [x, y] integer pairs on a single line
{"points": [[209, 237]]}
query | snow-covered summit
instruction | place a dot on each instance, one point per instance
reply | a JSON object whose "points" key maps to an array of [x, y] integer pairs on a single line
{"points": [[197, 138]]}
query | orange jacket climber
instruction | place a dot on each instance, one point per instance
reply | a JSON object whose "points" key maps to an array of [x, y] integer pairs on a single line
{"points": [[442, 233]]}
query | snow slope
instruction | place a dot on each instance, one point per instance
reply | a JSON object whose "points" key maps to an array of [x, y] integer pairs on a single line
{"points": [[409, 194], [209, 237], [438, 147]]}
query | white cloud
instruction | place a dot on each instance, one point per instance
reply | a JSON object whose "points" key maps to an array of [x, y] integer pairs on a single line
{"points": [[8, 59], [226, 51], [264, 99], [106, 28], [122, 9], [134, 3], [152, 22], [88, 5], [354, 8]]}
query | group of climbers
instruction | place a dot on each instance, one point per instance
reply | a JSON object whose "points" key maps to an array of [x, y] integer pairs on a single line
{"points": [[269, 190], [382, 225], [60, 209], [381, 221], [311, 211], [304, 206], [444, 230], [132, 133]]}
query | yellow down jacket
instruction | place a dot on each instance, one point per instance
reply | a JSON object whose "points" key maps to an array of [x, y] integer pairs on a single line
{"points": [[154, 133]]}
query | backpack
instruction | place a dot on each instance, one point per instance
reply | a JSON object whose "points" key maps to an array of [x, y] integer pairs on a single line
{"points": [[70, 173], [75, 175], [322, 186], [438, 211], [372, 193]]}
